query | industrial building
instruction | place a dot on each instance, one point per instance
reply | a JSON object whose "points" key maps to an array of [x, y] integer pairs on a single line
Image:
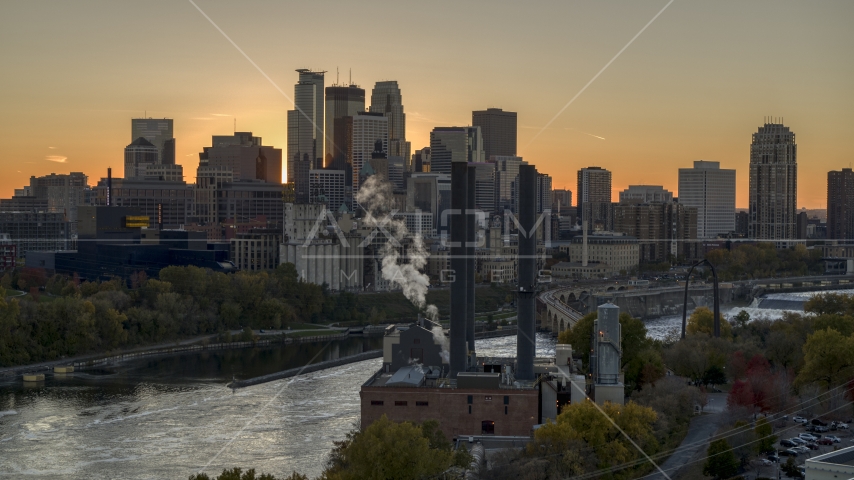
{"points": [[433, 374]]}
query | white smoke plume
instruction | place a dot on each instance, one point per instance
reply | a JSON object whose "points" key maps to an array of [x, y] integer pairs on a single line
{"points": [[375, 196]]}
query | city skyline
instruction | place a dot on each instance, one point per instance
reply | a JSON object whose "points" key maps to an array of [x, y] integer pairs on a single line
{"points": [[680, 92]]}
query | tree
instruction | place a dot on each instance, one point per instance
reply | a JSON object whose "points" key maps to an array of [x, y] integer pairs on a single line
{"points": [[829, 359], [721, 461], [830, 303], [742, 318], [584, 422], [702, 320], [238, 474], [389, 450]]}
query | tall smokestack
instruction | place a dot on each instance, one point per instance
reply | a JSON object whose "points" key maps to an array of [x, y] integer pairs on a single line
{"points": [[471, 236], [109, 186], [525, 303], [459, 290]]}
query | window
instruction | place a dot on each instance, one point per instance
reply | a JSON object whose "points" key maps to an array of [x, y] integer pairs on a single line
{"points": [[469, 409], [506, 399], [487, 427], [377, 402], [505, 410], [470, 399], [400, 403], [421, 404]]}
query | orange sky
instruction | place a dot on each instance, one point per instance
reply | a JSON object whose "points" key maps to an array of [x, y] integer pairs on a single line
{"points": [[695, 85]]}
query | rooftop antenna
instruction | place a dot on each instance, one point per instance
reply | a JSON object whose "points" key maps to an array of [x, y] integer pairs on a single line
{"points": [[351, 75]]}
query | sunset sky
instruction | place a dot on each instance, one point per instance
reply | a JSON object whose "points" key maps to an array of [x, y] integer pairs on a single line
{"points": [[694, 85]]}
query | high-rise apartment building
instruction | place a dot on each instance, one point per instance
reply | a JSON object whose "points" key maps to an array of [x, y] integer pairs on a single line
{"points": [[506, 178], [455, 144], [840, 204], [342, 103], [158, 131], [773, 183], [64, 193], [594, 198], [645, 194], [138, 155], [368, 129], [498, 129], [561, 200], [421, 160], [306, 137], [711, 190], [387, 100]]}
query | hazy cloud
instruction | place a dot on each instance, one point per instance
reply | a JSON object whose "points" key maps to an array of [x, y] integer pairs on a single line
{"points": [[52, 148], [56, 158], [221, 114]]}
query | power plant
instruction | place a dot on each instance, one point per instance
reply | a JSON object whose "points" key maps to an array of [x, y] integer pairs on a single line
{"points": [[432, 374]]}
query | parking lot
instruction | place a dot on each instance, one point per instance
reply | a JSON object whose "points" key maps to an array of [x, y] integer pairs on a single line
{"points": [[786, 430]]}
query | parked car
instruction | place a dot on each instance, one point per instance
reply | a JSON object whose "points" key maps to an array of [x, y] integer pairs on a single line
{"points": [[766, 462], [801, 449], [788, 443], [812, 446], [773, 458], [788, 453], [843, 426], [818, 421], [820, 429], [808, 437], [825, 441], [799, 419], [832, 438], [797, 441]]}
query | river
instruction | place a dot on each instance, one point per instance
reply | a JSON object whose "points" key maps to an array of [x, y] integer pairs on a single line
{"points": [[771, 306], [169, 417]]}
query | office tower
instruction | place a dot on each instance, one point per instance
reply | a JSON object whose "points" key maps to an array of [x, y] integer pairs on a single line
{"points": [[544, 192], [305, 131], [396, 170], [773, 183], [327, 187], [421, 160], [168, 203], [158, 131], [387, 100], [666, 231], [498, 129], [454, 144], [484, 186], [801, 225], [36, 231], [63, 193], [342, 103], [840, 205], [645, 194], [245, 156], [138, 155], [711, 190], [368, 129], [594, 198], [506, 177], [562, 200]]}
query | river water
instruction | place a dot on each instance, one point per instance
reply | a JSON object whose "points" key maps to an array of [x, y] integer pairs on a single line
{"points": [[771, 306], [169, 417]]}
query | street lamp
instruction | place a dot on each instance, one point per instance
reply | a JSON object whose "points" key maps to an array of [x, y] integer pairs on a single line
{"points": [[717, 305]]}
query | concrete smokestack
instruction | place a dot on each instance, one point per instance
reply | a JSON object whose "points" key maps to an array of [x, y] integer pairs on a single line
{"points": [[471, 237], [526, 306], [459, 289]]}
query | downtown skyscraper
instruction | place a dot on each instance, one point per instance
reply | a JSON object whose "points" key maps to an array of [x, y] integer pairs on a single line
{"points": [[840, 204], [498, 129], [773, 183], [158, 131], [387, 100], [343, 102], [594, 198], [306, 137], [711, 190]]}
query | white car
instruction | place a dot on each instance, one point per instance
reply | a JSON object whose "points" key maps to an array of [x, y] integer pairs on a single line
{"points": [[833, 438], [807, 437], [799, 419], [843, 426], [798, 441], [767, 462], [801, 449]]}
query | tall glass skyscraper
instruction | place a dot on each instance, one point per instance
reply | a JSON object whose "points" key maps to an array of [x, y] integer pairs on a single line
{"points": [[454, 144], [498, 129], [386, 99], [711, 190], [305, 131], [342, 104], [773, 183]]}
